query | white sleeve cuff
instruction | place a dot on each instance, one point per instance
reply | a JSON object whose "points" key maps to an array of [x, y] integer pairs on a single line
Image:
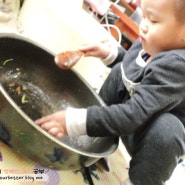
{"points": [[76, 121], [111, 57]]}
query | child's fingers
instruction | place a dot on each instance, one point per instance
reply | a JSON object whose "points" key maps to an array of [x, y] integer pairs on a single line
{"points": [[40, 121], [49, 125], [54, 131], [60, 135]]}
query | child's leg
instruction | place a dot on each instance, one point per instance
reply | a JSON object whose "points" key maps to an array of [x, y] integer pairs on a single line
{"points": [[113, 90], [157, 151]]}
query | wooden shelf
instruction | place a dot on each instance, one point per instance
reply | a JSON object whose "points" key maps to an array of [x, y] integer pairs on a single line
{"points": [[125, 24]]}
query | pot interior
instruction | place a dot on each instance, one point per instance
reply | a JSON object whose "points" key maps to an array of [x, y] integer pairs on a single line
{"points": [[38, 87]]}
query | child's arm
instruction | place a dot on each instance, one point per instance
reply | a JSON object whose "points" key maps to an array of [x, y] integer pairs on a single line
{"points": [[109, 53], [65, 123]]}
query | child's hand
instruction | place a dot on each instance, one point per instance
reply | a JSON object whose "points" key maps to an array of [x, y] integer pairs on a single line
{"points": [[55, 124], [100, 50]]}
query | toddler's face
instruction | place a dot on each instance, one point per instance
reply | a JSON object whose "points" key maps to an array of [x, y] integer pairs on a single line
{"points": [[159, 29]]}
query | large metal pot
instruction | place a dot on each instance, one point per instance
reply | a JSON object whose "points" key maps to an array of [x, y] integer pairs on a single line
{"points": [[32, 86]]}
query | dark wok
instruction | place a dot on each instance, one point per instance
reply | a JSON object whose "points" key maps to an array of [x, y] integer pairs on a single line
{"points": [[32, 86]]}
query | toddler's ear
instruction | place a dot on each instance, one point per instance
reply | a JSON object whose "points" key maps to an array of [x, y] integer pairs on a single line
{"points": [[183, 40], [183, 37]]}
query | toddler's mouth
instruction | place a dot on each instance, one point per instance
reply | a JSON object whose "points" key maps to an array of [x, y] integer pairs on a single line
{"points": [[141, 38]]}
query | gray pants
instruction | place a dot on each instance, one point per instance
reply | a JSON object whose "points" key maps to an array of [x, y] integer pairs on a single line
{"points": [[156, 148]]}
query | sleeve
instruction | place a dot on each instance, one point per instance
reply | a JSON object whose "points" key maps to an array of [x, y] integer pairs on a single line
{"points": [[111, 57], [117, 54], [76, 121], [161, 89], [121, 52]]}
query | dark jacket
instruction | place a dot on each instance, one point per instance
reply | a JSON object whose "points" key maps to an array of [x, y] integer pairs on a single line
{"points": [[161, 89]]}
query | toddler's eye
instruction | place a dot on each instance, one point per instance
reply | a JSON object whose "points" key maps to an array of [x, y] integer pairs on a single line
{"points": [[153, 21]]}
